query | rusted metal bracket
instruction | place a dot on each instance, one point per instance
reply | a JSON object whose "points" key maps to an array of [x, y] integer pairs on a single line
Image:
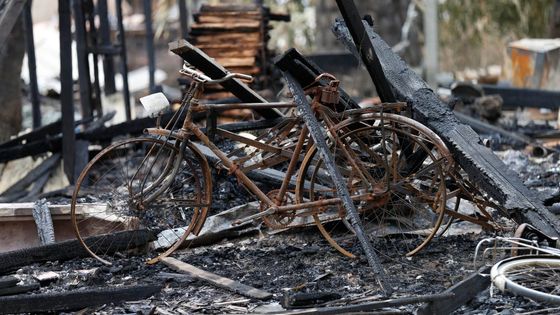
{"points": [[204, 63], [316, 133], [480, 163], [305, 72]]}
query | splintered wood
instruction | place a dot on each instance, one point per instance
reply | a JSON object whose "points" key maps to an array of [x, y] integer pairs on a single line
{"points": [[216, 280], [236, 36]]}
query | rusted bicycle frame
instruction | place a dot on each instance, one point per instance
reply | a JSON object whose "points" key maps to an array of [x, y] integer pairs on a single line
{"points": [[277, 210], [278, 154]]}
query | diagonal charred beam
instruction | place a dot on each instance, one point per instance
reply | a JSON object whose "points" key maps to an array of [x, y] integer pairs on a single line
{"points": [[204, 63], [316, 133], [480, 163]]}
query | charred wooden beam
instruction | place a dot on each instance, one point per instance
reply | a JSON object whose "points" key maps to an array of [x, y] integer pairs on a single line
{"points": [[463, 292], [8, 281], [365, 49], [368, 307], [33, 175], [66, 89], [521, 97], [480, 163], [71, 249], [20, 288], [74, 300], [204, 63]]}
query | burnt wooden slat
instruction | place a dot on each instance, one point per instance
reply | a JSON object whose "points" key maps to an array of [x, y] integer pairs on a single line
{"points": [[75, 299], [216, 280], [204, 63], [463, 292], [70, 249]]}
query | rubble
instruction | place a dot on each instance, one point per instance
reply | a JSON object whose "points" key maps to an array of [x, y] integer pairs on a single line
{"points": [[267, 256]]}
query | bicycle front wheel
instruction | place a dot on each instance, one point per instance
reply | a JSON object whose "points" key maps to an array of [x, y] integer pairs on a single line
{"points": [[535, 277], [140, 191]]}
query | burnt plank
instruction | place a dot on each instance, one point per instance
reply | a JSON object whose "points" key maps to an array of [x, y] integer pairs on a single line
{"points": [[8, 281], [75, 299], [480, 163], [204, 63], [33, 175], [70, 249], [463, 292], [18, 289], [216, 280], [367, 308]]}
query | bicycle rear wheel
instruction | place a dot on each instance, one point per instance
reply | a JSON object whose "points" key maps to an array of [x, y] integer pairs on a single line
{"points": [[535, 277], [137, 191], [394, 168]]}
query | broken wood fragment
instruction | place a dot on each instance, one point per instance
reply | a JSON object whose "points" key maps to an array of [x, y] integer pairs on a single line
{"points": [[74, 300], [71, 249], [33, 175], [8, 281], [307, 299], [216, 280], [463, 292], [204, 63], [367, 307], [18, 289]]}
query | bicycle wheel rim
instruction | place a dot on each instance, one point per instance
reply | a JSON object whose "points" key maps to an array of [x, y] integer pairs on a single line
{"points": [[507, 277]]}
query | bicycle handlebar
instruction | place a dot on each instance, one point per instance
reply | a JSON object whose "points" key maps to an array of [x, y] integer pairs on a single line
{"points": [[202, 78]]}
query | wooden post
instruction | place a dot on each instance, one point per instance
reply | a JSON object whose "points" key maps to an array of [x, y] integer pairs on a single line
{"points": [[66, 95]]}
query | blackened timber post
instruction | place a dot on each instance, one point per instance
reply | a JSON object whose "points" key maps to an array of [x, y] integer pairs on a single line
{"points": [[124, 66], [105, 40], [91, 37], [66, 84], [365, 48], [83, 63], [32, 65]]}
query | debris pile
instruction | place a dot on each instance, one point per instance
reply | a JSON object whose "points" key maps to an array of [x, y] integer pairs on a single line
{"points": [[377, 209]]}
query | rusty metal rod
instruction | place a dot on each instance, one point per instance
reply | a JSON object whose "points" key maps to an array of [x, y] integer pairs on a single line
{"points": [[222, 107]]}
